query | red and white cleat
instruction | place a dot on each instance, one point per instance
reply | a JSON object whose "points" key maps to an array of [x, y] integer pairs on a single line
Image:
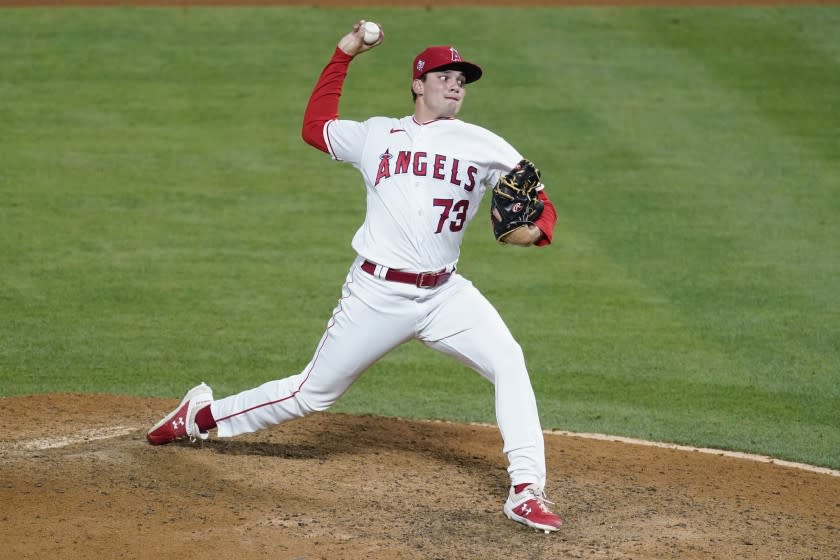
{"points": [[530, 507], [180, 423]]}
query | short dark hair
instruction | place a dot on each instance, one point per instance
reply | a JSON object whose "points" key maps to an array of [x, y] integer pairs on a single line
{"points": [[414, 95]]}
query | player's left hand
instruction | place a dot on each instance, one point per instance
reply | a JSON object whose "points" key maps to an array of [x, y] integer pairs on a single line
{"points": [[515, 204], [354, 42], [524, 236]]}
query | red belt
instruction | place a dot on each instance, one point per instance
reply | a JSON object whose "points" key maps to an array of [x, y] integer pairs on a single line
{"points": [[421, 280]]}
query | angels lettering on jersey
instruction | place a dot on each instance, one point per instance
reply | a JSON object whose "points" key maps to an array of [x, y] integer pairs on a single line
{"points": [[423, 164]]}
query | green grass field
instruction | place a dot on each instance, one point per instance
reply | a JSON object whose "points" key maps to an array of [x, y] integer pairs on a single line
{"points": [[162, 223]]}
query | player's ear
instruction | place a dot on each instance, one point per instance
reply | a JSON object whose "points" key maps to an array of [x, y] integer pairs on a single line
{"points": [[417, 86]]}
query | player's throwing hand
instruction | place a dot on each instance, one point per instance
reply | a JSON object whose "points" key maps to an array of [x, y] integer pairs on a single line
{"points": [[424, 174], [354, 42]]}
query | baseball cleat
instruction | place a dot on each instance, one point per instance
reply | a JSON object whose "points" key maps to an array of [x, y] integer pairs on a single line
{"points": [[180, 423], [530, 507]]}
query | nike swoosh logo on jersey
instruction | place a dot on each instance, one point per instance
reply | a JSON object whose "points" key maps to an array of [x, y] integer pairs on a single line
{"points": [[393, 130]]}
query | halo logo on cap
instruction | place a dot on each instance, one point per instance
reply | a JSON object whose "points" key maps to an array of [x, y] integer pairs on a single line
{"points": [[444, 57]]}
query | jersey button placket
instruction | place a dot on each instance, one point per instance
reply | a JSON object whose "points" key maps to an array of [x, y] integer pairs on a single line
{"points": [[419, 182]]}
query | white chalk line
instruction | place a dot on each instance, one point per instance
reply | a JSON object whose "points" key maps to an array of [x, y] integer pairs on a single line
{"points": [[662, 445], [72, 439], [707, 450], [119, 431]]}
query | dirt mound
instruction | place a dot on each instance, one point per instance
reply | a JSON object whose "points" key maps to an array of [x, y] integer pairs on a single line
{"points": [[77, 480]]}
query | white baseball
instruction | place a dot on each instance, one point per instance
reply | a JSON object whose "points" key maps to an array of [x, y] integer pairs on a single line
{"points": [[371, 32]]}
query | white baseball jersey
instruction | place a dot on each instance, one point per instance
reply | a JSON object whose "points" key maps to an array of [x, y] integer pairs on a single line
{"points": [[424, 184]]}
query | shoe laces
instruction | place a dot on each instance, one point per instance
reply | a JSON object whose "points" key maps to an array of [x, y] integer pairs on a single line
{"points": [[193, 432], [541, 498]]}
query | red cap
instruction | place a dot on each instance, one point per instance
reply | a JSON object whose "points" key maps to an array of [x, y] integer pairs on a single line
{"points": [[435, 59]]}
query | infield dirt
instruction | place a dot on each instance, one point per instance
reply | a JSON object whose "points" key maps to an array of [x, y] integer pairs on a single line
{"points": [[78, 480]]}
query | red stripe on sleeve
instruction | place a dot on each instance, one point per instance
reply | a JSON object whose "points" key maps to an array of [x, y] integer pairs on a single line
{"points": [[547, 220], [323, 103]]}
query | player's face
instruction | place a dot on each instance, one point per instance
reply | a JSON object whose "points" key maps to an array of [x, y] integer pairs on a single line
{"points": [[442, 93]]}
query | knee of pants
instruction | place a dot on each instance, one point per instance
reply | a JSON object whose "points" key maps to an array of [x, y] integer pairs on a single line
{"points": [[315, 402], [514, 352], [509, 359]]}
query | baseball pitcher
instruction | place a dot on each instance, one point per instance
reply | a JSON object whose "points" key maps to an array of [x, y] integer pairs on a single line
{"points": [[424, 176]]}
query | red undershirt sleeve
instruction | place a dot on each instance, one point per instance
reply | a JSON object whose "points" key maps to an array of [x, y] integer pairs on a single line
{"points": [[547, 220], [323, 103], [323, 108]]}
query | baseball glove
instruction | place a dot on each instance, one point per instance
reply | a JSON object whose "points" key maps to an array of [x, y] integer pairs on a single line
{"points": [[515, 203]]}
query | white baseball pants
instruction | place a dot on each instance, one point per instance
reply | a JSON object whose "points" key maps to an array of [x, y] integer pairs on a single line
{"points": [[375, 316]]}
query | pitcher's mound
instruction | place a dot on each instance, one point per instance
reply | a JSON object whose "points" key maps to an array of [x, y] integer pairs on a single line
{"points": [[78, 480]]}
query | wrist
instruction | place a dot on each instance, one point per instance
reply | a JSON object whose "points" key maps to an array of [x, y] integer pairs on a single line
{"points": [[340, 55], [523, 236]]}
